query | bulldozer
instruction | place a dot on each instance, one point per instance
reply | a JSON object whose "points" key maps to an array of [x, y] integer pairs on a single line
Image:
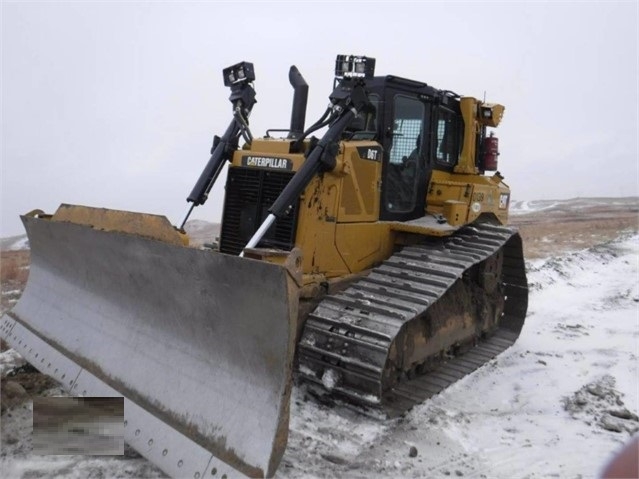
{"points": [[372, 262]]}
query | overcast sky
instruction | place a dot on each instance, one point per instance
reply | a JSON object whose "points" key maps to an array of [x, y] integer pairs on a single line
{"points": [[115, 104]]}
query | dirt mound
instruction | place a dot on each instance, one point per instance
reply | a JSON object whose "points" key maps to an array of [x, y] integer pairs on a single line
{"points": [[14, 272], [599, 403]]}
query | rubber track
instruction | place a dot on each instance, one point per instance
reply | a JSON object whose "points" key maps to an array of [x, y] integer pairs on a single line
{"points": [[351, 332]]}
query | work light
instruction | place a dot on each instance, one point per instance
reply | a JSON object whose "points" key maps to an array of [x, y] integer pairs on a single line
{"points": [[352, 66], [239, 73]]}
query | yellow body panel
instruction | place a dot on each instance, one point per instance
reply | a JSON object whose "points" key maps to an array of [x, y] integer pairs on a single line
{"points": [[271, 145], [362, 245], [464, 198], [338, 228], [268, 147], [359, 201]]}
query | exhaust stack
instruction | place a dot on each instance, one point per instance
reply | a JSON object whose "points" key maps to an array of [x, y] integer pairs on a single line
{"points": [[300, 97]]}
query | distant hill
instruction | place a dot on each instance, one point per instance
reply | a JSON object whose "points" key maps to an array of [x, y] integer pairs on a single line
{"points": [[14, 243], [201, 231]]}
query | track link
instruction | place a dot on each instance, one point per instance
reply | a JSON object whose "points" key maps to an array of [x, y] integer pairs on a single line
{"points": [[349, 337]]}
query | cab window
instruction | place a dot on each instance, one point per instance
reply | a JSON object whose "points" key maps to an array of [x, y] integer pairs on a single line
{"points": [[405, 155], [447, 134]]}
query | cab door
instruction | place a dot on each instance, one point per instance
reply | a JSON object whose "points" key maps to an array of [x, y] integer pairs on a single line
{"points": [[406, 151]]}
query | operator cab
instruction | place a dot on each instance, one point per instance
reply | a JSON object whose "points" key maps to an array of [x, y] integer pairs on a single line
{"points": [[420, 129]]}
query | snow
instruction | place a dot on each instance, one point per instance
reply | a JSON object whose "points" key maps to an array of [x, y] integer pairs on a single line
{"points": [[14, 243], [522, 207], [10, 360], [547, 407], [20, 244], [330, 378], [12, 292]]}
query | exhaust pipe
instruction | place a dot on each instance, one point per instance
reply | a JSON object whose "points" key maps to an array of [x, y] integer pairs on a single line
{"points": [[300, 97]]}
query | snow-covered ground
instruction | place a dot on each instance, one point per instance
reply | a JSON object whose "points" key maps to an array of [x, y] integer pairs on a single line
{"points": [[559, 403], [547, 407], [522, 207]]}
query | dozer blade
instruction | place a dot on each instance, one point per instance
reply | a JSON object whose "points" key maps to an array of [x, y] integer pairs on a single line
{"points": [[199, 344]]}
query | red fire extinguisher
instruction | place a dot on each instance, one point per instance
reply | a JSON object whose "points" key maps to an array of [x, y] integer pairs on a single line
{"points": [[490, 152]]}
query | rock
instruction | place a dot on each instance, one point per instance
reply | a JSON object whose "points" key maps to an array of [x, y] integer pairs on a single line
{"points": [[597, 390], [580, 401], [13, 394], [412, 452], [459, 473], [13, 389], [334, 459], [609, 423], [619, 421], [623, 414]]}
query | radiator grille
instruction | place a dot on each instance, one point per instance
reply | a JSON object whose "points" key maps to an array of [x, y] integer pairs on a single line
{"points": [[250, 192]]}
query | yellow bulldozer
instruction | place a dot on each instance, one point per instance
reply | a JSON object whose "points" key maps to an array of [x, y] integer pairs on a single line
{"points": [[372, 263]]}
